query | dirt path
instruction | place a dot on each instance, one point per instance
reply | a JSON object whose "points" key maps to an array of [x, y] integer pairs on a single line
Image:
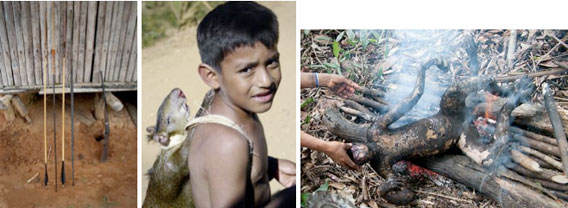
{"points": [[173, 63], [110, 184]]}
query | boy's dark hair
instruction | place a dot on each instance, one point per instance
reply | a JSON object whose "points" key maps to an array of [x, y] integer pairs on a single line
{"points": [[232, 25]]}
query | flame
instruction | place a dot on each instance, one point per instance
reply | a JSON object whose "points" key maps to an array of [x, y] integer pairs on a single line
{"points": [[490, 99]]}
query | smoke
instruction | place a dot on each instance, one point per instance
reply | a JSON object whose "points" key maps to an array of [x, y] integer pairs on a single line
{"points": [[412, 48]]}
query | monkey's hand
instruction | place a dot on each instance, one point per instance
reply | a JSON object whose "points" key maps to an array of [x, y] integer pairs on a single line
{"points": [[360, 153], [390, 184]]}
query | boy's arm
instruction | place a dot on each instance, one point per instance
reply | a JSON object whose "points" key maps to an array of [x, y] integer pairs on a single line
{"points": [[284, 171], [338, 84], [335, 150], [226, 169]]}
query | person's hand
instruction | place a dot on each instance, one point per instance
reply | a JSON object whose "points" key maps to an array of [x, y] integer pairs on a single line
{"points": [[337, 152], [341, 85], [286, 173]]}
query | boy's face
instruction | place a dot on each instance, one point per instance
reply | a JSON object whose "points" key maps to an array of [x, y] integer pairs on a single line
{"points": [[250, 77]]}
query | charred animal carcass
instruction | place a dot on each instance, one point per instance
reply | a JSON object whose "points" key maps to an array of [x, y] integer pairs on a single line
{"points": [[382, 146]]}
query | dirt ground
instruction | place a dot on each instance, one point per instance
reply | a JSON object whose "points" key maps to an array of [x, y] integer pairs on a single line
{"points": [[173, 63], [110, 184]]}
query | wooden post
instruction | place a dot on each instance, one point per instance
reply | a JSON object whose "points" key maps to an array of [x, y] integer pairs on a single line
{"points": [[113, 102], [21, 108], [9, 112], [99, 107]]}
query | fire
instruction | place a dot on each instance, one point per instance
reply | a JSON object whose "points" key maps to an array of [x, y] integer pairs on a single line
{"points": [[490, 99]]}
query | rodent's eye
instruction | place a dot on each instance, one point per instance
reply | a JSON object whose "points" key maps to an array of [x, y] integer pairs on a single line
{"points": [[168, 121]]}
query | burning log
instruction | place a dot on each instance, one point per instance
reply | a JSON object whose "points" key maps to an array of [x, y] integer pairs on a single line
{"points": [[557, 124], [530, 115], [504, 191]]}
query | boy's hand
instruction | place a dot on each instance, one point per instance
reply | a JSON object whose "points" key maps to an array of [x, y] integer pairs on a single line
{"points": [[337, 152], [286, 173], [341, 85]]}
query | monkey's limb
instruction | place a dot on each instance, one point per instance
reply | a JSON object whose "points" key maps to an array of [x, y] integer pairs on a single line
{"points": [[407, 103]]}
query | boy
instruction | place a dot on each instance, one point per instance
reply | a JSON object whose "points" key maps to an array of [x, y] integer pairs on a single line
{"points": [[229, 166]]}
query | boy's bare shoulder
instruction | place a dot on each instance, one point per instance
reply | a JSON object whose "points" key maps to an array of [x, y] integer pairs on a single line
{"points": [[220, 138]]}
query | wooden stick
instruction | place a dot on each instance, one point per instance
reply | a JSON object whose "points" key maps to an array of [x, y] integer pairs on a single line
{"points": [[45, 107], [561, 195], [546, 174], [511, 49], [380, 107], [63, 127], [53, 80], [443, 196], [551, 185], [371, 92], [542, 156], [357, 106], [63, 77], [516, 177], [538, 145], [32, 178], [557, 125], [357, 113], [525, 161], [540, 162], [559, 41], [21, 108], [511, 78], [534, 136]]}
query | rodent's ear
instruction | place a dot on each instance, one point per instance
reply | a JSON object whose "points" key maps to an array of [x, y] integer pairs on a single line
{"points": [[209, 75], [150, 129]]}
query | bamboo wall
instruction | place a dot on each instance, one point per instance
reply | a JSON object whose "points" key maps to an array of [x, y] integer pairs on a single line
{"points": [[90, 36]]}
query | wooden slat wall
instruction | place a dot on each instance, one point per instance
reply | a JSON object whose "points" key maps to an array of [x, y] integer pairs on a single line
{"points": [[92, 36]]}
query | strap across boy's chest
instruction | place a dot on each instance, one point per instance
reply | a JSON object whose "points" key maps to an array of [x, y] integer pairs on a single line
{"points": [[221, 120]]}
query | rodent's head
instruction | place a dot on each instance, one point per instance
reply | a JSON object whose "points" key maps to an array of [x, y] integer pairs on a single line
{"points": [[172, 117]]}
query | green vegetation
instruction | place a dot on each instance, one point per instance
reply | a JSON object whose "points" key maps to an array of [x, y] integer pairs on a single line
{"points": [[159, 17], [306, 195]]}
